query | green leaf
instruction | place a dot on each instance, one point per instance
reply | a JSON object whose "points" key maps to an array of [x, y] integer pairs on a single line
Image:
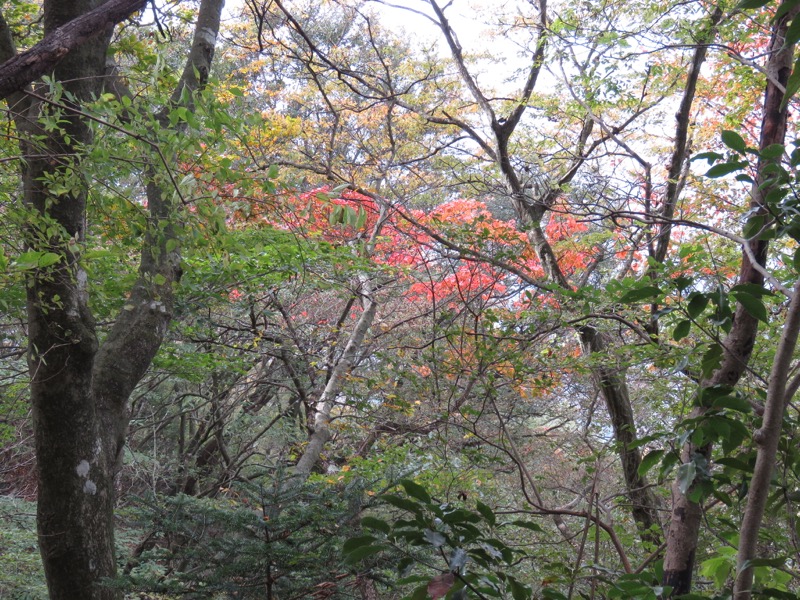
{"points": [[792, 33], [775, 196], [754, 306], [753, 226], [711, 157], [350, 216], [733, 403], [362, 218], [460, 516], [402, 503], [420, 593], [337, 215], [34, 259], [670, 460], [697, 304], [649, 460], [682, 282], [711, 360], [460, 594], [487, 513], [738, 433], [733, 462], [405, 566], [518, 591], [415, 490], [717, 568], [686, 474], [772, 151], [725, 168], [357, 542], [639, 294], [682, 329], [734, 141], [551, 594], [361, 553], [784, 8], [793, 84], [778, 562], [527, 525], [376, 524], [753, 289], [751, 4], [48, 259]]}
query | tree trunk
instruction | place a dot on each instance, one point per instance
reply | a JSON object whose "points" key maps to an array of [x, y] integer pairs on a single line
{"points": [[686, 516], [79, 390], [767, 439], [611, 382], [75, 491]]}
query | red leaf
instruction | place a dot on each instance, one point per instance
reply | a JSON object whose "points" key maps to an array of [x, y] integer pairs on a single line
{"points": [[440, 585]]}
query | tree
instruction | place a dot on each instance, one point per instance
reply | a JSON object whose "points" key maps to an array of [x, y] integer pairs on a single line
{"points": [[80, 385], [739, 342], [558, 368]]}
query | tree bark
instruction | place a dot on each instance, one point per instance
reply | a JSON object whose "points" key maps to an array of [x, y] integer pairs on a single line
{"points": [[21, 69], [321, 432], [79, 389], [779, 392], [684, 527], [75, 501], [767, 439]]}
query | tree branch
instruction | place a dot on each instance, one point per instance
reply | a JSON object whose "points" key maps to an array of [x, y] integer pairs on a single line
{"points": [[23, 68]]}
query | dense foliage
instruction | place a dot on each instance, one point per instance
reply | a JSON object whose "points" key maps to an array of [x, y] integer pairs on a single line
{"points": [[443, 311]]}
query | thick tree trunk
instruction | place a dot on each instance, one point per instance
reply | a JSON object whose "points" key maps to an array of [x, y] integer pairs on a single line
{"points": [[686, 516], [75, 490], [79, 390]]}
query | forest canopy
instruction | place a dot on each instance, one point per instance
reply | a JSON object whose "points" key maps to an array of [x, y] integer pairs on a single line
{"points": [[399, 299]]}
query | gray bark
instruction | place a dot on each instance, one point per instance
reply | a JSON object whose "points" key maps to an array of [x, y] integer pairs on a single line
{"points": [[79, 389], [321, 432], [21, 69]]}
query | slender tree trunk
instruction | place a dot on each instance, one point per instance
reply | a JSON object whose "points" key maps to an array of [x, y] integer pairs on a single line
{"points": [[684, 527], [611, 382], [530, 212], [767, 439], [609, 378], [321, 433]]}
